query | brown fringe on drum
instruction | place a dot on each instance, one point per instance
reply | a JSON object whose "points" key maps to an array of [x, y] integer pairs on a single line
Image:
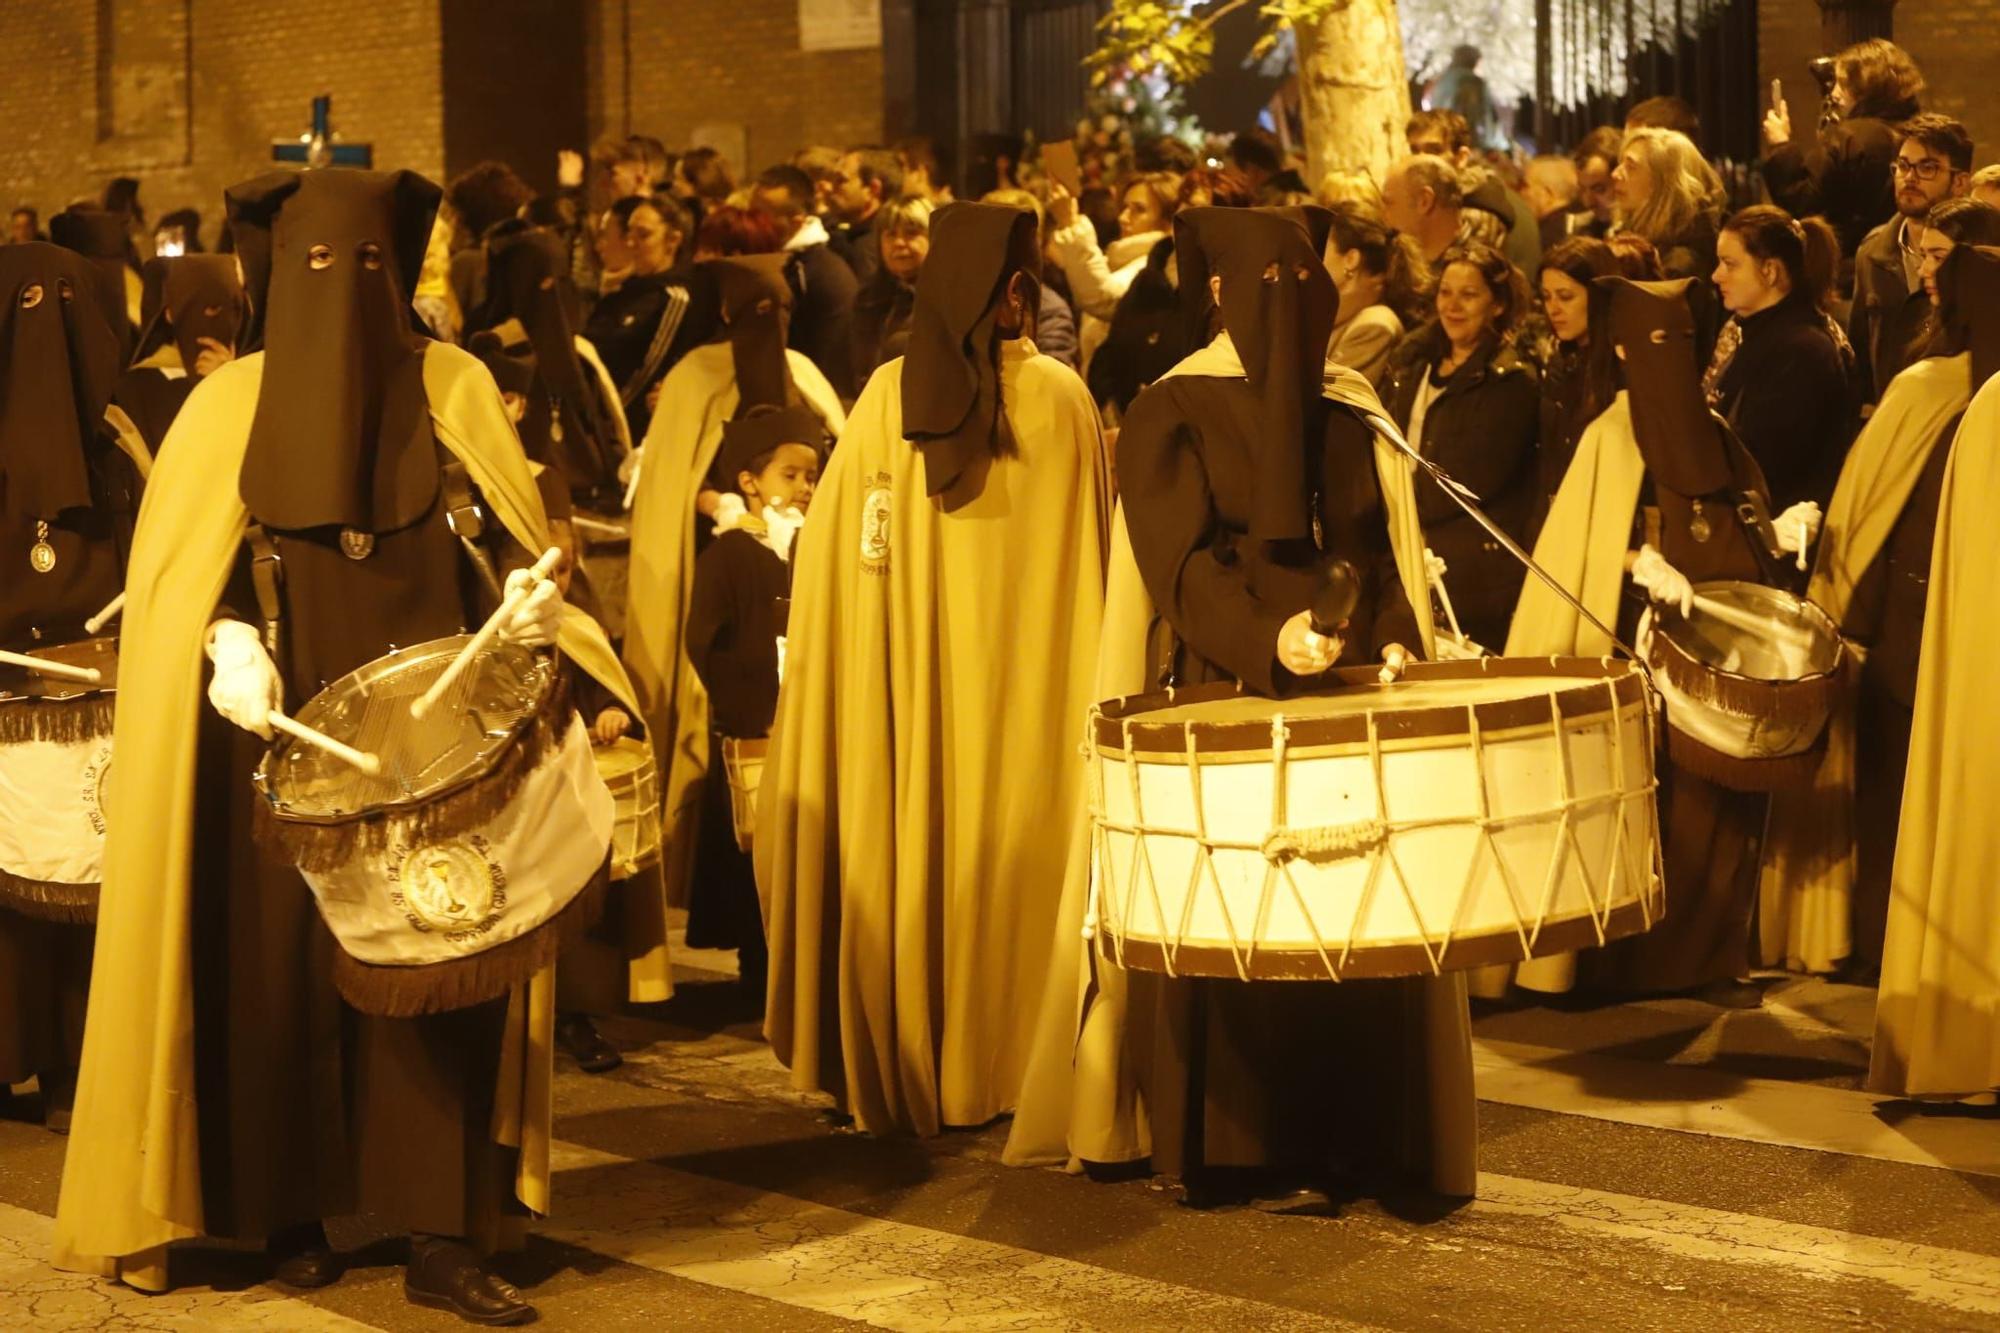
{"points": [[1790, 704], [48, 900], [318, 848], [1791, 772], [64, 721], [436, 988]]}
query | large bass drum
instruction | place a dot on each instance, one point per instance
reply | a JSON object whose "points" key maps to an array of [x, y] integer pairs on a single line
{"points": [[1469, 813], [480, 847], [55, 764]]}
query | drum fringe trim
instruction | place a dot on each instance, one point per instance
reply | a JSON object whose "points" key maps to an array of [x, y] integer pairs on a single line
{"points": [[436, 988], [63, 721], [1790, 703], [322, 848], [1704, 761], [49, 900]]}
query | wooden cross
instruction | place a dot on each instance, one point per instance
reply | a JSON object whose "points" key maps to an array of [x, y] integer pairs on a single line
{"points": [[319, 146]]}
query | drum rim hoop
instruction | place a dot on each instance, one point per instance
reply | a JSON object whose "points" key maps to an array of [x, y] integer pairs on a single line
{"points": [[1589, 685], [1665, 653], [57, 689]]}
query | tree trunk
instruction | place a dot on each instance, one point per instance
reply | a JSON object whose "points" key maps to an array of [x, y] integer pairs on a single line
{"points": [[1356, 93]]}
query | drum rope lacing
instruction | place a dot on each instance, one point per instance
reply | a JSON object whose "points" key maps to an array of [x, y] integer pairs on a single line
{"points": [[1374, 838]]}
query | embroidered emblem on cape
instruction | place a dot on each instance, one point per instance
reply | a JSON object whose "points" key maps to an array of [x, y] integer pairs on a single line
{"points": [[455, 889], [97, 787], [875, 525], [356, 545]]}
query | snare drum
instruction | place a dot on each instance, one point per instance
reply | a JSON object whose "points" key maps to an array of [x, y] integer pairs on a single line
{"points": [[487, 822], [1470, 813], [1749, 681], [55, 764], [743, 760], [627, 767]]}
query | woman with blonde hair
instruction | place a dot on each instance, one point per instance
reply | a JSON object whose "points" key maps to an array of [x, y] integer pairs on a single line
{"points": [[1098, 277], [883, 307], [1669, 194]]}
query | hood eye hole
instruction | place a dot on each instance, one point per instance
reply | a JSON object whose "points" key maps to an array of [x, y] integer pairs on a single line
{"points": [[64, 290], [766, 306], [1659, 337], [320, 256], [370, 254], [548, 283], [31, 296], [211, 311], [1271, 271]]}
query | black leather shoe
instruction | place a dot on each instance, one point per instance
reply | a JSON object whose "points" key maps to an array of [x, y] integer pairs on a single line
{"points": [[1732, 994], [302, 1258], [579, 1037], [58, 1098], [447, 1275]]}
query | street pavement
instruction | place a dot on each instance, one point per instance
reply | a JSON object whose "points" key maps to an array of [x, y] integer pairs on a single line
{"points": [[1664, 1165]]}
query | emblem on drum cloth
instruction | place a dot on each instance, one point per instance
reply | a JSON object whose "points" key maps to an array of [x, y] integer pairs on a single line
{"points": [[97, 787], [875, 524], [452, 888]]}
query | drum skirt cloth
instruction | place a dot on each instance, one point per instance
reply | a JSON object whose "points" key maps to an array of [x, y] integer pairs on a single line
{"points": [[44, 982]]}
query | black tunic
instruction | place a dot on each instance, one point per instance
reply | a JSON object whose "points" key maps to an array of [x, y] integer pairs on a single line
{"points": [[310, 1109], [1296, 1078], [643, 329], [1789, 392]]}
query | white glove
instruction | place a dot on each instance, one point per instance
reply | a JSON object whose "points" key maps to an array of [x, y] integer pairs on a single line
{"points": [[1395, 657], [1434, 566], [534, 620], [1662, 581], [1453, 649], [629, 465], [1797, 528], [1303, 651], [245, 687]]}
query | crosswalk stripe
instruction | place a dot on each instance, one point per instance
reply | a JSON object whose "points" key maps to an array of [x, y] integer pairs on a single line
{"points": [[34, 1295], [1694, 1100]]}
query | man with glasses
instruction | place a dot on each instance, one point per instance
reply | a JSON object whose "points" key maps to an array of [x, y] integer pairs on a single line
{"points": [[1891, 312]]}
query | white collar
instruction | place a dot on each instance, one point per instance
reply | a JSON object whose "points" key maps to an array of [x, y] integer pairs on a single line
{"points": [[812, 233]]}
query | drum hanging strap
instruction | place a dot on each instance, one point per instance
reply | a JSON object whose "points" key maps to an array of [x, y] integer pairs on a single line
{"points": [[267, 579], [467, 520]]}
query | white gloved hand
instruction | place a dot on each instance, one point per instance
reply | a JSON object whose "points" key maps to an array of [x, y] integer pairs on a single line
{"points": [[1453, 649], [630, 464], [245, 687], [1434, 566], [1303, 651], [1797, 528], [1662, 581], [1395, 657], [534, 620]]}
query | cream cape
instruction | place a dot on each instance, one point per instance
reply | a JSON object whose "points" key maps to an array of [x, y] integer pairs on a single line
{"points": [[697, 398], [1080, 1097], [132, 1178], [1937, 1013], [923, 764], [1807, 878]]}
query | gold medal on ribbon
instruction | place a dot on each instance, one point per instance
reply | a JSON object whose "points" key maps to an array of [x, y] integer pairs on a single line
{"points": [[42, 556]]}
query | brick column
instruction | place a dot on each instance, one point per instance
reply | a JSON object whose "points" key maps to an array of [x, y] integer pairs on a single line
{"points": [[1842, 23]]}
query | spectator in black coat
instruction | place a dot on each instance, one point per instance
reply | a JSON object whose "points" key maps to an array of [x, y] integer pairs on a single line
{"points": [[823, 286], [1783, 374], [869, 180], [1580, 376], [1467, 396], [1889, 319], [1845, 177], [882, 309]]}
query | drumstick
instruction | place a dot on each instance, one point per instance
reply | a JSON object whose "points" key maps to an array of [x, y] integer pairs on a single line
{"points": [[1738, 618], [1805, 540], [360, 759], [103, 618], [598, 528], [541, 570], [632, 486], [63, 670]]}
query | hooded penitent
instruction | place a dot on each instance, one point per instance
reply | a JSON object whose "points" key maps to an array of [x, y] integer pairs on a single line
{"points": [[514, 374], [951, 374], [756, 314], [59, 360], [101, 237], [342, 435], [1968, 310], [1279, 312], [188, 298], [526, 281], [749, 438], [1653, 328]]}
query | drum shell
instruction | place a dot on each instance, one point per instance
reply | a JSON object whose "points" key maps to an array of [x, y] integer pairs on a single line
{"points": [[1743, 731], [1475, 860], [743, 761], [55, 761], [627, 767]]}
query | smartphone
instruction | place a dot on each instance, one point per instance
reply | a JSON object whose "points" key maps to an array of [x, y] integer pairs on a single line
{"points": [[170, 242], [1059, 161], [1777, 93]]}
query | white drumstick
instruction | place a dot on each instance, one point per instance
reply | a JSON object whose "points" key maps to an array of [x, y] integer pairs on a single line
{"points": [[1750, 622], [103, 618], [61, 670], [632, 486], [1805, 540], [598, 528], [541, 570], [360, 759]]}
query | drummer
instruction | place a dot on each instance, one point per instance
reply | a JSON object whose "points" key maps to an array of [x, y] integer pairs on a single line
{"points": [[1247, 472], [68, 497], [227, 1089], [767, 464], [193, 312]]}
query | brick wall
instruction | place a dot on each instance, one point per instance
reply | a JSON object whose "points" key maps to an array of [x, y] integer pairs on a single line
{"points": [[1955, 42], [707, 70], [255, 67]]}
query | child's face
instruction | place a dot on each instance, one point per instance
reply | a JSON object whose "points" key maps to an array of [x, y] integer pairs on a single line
{"points": [[786, 482]]}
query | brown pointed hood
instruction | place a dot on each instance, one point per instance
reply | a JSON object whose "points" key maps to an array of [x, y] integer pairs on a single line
{"points": [[190, 297], [756, 314], [1652, 326], [59, 360]]}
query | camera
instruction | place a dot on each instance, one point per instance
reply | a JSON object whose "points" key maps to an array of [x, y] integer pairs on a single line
{"points": [[1824, 74]]}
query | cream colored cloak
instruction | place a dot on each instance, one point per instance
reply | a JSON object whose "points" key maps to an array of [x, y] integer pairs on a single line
{"points": [[132, 1177], [922, 772], [1806, 883], [697, 399], [1937, 1012], [1080, 1098]]}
